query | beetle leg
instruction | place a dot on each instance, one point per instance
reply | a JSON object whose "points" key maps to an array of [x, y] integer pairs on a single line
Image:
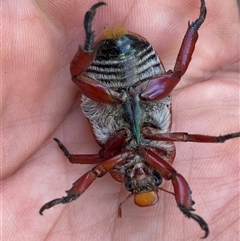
{"points": [[114, 144], [80, 62], [112, 147], [86, 180], [85, 55], [90, 87], [79, 159], [83, 58], [189, 41], [183, 196], [161, 86], [182, 190], [89, 41], [166, 154], [96, 91], [154, 134]]}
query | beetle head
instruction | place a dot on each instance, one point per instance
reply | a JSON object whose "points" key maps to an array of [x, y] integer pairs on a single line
{"points": [[144, 187], [145, 198]]}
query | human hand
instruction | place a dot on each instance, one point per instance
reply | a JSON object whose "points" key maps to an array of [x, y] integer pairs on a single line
{"points": [[41, 102]]}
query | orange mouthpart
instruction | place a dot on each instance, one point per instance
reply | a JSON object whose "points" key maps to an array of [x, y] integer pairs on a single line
{"points": [[144, 199]]}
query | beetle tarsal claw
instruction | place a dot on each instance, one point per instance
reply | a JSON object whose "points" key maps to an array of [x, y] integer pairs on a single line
{"points": [[50, 204], [198, 22], [54, 202], [197, 218], [63, 148]]}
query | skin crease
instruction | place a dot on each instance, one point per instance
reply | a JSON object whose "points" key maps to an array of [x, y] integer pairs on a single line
{"points": [[40, 102]]}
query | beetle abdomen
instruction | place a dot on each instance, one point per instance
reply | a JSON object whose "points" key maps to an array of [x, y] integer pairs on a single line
{"points": [[124, 62]]}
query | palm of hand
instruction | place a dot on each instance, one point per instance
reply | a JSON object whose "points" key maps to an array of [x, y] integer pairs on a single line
{"points": [[39, 102]]}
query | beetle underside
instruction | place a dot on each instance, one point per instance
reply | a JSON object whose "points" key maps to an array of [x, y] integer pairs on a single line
{"points": [[126, 98]]}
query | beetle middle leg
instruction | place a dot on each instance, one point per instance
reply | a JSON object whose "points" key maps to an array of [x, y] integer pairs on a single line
{"points": [[112, 147], [79, 159], [154, 134], [86, 180]]}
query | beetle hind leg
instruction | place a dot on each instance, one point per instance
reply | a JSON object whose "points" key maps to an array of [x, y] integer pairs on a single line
{"points": [[160, 86], [88, 26]]}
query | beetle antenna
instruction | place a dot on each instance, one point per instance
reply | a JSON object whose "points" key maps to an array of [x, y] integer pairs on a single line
{"points": [[88, 26], [120, 205], [163, 189]]}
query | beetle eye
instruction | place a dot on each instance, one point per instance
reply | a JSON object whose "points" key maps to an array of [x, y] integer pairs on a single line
{"points": [[128, 184], [157, 178]]}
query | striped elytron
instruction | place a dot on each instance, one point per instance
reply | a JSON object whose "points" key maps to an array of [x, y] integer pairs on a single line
{"points": [[126, 97]]}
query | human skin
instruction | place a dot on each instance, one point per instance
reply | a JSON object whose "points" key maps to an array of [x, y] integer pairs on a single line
{"points": [[40, 102]]}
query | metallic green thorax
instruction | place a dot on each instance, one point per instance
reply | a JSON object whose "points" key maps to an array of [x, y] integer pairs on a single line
{"points": [[133, 115]]}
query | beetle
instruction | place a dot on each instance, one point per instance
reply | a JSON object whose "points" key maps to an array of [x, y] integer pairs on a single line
{"points": [[126, 98]]}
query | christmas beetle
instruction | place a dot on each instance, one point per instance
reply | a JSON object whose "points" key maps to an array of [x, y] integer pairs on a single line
{"points": [[126, 98]]}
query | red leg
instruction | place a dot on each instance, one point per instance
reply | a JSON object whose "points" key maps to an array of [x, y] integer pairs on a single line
{"points": [[83, 58], [86, 180], [154, 134], [112, 147], [90, 87], [79, 159], [189, 41], [85, 55], [80, 62], [182, 191], [165, 154], [114, 144], [96, 91], [160, 87]]}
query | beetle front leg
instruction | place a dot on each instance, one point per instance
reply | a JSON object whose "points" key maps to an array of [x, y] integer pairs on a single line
{"points": [[86, 180], [161, 86], [184, 201], [78, 188], [182, 190]]}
